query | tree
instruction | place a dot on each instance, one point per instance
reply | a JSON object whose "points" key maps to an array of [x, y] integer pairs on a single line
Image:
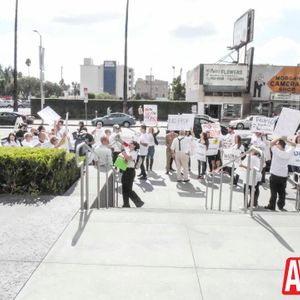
{"points": [[28, 64], [178, 89]]}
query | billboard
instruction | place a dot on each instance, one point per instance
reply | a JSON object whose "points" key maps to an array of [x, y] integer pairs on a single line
{"points": [[243, 29], [234, 76], [275, 82]]}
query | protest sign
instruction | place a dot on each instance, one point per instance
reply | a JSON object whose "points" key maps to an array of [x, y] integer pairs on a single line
{"points": [[49, 115], [287, 123], [231, 154], [213, 147], [201, 152], [150, 115], [18, 122], [214, 129], [181, 122], [295, 159], [263, 124]]}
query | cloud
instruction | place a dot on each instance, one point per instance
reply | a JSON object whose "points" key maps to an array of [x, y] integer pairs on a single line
{"points": [[188, 32], [84, 19]]}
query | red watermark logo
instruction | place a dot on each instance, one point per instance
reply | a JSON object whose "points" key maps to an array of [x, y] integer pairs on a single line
{"points": [[291, 281]]}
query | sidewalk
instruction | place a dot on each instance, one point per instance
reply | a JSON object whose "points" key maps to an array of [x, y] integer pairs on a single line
{"points": [[170, 249]]}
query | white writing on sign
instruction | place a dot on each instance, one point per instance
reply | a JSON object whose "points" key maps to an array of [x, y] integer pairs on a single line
{"points": [[214, 129], [295, 159], [180, 122], [230, 154], [287, 123], [49, 115], [263, 124], [150, 114], [201, 152]]}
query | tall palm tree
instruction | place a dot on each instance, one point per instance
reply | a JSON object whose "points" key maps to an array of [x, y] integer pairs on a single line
{"points": [[28, 64], [15, 93]]}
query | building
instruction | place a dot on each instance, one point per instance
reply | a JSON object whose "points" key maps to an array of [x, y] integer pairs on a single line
{"points": [[219, 89], [274, 87], [105, 78], [151, 88]]}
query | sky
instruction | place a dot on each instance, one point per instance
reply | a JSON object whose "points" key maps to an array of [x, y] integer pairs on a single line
{"points": [[161, 34]]}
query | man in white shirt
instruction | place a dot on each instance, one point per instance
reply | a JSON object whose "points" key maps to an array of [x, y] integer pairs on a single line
{"points": [[104, 154], [181, 147], [143, 151], [279, 171]]}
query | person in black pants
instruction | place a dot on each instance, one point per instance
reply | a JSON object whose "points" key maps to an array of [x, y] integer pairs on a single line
{"points": [[279, 171], [128, 177]]}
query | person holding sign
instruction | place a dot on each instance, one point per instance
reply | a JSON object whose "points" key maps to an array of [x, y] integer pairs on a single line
{"points": [[279, 171], [202, 146], [151, 149], [181, 147], [212, 152]]}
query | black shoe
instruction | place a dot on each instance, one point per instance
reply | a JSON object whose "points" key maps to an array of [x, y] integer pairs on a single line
{"points": [[143, 178], [269, 207], [167, 173], [140, 204], [172, 170], [281, 208], [139, 175], [186, 180], [179, 180], [126, 205]]}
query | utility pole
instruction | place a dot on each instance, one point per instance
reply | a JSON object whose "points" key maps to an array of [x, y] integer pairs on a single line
{"points": [[125, 62], [15, 92]]}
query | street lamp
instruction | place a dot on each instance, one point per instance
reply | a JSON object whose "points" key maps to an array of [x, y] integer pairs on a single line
{"points": [[41, 60], [125, 62]]}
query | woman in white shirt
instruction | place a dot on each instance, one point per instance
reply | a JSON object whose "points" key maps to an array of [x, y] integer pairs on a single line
{"points": [[254, 163], [12, 141], [128, 176], [202, 146], [97, 133], [238, 146]]}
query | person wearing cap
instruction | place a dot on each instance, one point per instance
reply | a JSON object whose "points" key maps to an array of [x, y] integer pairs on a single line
{"points": [[143, 151], [279, 171], [116, 140]]}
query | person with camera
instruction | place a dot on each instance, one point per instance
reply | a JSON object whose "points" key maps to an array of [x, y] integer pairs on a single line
{"points": [[128, 176]]}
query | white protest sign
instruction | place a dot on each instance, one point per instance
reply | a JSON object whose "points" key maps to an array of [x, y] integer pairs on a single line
{"points": [[150, 115], [214, 129], [213, 147], [295, 159], [230, 154], [263, 124], [287, 123], [49, 115], [201, 152], [181, 122]]}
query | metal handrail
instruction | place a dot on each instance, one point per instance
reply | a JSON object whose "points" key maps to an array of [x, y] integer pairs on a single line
{"points": [[231, 163], [297, 183], [84, 172]]}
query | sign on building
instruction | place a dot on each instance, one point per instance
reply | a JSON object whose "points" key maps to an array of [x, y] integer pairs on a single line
{"points": [[225, 75]]}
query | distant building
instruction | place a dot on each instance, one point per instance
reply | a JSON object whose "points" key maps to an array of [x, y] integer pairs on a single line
{"points": [[105, 78], [151, 88]]}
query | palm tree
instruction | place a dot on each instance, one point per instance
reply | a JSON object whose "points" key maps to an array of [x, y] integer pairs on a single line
{"points": [[15, 94], [28, 64]]}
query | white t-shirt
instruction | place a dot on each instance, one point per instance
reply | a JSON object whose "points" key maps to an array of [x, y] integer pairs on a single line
{"points": [[104, 155], [115, 141], [254, 163], [131, 163], [151, 139], [228, 140], [99, 132], [47, 145], [144, 138], [28, 144], [181, 144], [12, 144], [280, 161]]}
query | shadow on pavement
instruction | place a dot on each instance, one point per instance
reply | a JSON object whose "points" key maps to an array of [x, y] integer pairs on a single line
{"points": [[261, 221], [84, 218]]}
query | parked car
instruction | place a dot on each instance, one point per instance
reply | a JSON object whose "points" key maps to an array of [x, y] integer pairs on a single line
{"points": [[209, 118], [9, 118], [115, 118], [199, 120], [243, 123]]}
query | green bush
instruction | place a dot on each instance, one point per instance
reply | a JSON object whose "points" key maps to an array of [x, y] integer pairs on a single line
{"points": [[91, 96], [36, 171]]}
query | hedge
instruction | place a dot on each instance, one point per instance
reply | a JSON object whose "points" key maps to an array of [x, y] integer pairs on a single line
{"points": [[36, 171]]}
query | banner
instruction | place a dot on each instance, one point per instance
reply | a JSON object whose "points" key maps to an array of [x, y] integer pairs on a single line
{"points": [[213, 147], [230, 155], [263, 124], [150, 115], [295, 159], [287, 123], [214, 129], [49, 115], [181, 122]]}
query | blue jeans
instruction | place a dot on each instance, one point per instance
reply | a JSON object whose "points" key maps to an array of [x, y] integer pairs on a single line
{"points": [[151, 151]]}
